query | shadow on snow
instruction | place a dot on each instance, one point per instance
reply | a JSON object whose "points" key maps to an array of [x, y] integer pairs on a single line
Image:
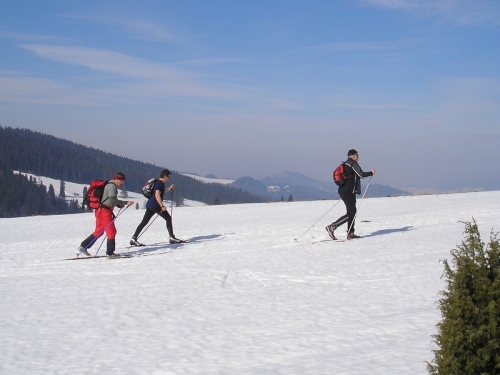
{"points": [[152, 248], [383, 232]]}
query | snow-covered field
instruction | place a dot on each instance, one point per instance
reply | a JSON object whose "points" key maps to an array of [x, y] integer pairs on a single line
{"points": [[243, 298]]}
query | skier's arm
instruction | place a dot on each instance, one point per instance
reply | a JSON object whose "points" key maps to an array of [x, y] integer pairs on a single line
{"points": [[159, 200], [368, 174], [111, 191], [357, 169]]}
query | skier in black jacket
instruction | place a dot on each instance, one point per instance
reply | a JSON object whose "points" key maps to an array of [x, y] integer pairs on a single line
{"points": [[347, 192]]}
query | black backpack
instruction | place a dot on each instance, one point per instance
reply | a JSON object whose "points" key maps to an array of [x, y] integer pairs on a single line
{"points": [[148, 188]]}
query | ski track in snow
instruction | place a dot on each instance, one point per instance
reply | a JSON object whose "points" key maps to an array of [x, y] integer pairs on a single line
{"points": [[243, 299]]}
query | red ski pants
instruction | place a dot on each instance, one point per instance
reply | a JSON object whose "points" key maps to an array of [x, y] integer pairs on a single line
{"points": [[103, 218]]}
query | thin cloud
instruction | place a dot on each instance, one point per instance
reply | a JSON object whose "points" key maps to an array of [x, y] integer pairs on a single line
{"points": [[390, 45], [174, 81], [465, 12], [117, 63], [102, 60], [143, 30], [19, 88], [134, 29], [412, 4], [31, 37], [210, 61], [364, 106]]}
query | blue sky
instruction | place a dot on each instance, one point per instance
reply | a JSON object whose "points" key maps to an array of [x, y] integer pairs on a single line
{"points": [[252, 88]]}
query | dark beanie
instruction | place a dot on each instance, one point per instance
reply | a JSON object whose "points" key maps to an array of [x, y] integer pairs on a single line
{"points": [[352, 152]]}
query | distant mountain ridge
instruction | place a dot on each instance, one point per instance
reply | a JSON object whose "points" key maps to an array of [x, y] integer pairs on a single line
{"points": [[294, 178], [302, 187]]}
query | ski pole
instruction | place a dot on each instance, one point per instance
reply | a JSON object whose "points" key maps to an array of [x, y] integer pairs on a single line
{"points": [[172, 205], [297, 239], [99, 248], [360, 203], [145, 229]]}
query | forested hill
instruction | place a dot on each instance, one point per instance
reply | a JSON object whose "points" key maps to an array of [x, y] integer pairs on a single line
{"points": [[41, 154]]}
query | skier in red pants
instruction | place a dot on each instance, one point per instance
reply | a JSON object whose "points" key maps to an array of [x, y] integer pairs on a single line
{"points": [[104, 217]]}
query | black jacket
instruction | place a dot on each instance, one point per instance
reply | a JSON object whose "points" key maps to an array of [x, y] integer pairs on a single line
{"points": [[354, 175]]}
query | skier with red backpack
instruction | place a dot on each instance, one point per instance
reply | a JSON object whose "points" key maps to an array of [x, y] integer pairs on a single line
{"points": [[348, 177], [102, 196]]}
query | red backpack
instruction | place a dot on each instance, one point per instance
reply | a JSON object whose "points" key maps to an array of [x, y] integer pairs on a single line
{"points": [[94, 194], [339, 175]]}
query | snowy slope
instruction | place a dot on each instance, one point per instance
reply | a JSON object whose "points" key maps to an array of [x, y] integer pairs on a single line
{"points": [[74, 191], [208, 180], [243, 298]]}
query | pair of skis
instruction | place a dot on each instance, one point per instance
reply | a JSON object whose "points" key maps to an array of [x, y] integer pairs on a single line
{"points": [[143, 254], [336, 240], [122, 256], [179, 242]]}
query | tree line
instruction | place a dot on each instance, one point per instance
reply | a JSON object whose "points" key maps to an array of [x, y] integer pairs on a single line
{"points": [[41, 154], [26, 197]]}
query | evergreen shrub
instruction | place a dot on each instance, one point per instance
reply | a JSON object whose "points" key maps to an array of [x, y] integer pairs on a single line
{"points": [[468, 337]]}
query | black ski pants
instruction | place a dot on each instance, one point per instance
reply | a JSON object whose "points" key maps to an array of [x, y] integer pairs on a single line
{"points": [[149, 214], [350, 205]]}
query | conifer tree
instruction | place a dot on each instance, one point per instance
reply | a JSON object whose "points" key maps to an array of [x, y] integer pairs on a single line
{"points": [[62, 189], [84, 195], [468, 336], [179, 201]]}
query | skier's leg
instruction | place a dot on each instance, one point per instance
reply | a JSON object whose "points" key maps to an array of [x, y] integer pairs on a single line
{"points": [[145, 220], [168, 220], [351, 212]]}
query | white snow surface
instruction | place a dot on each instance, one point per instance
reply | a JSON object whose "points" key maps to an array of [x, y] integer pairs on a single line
{"points": [[244, 297]]}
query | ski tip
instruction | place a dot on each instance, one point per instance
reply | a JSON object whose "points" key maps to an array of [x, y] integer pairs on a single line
{"points": [[90, 257]]}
